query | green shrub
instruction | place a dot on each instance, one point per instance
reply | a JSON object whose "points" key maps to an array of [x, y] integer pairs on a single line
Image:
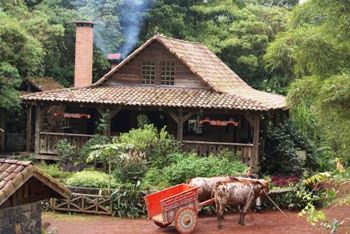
{"points": [[154, 180], [85, 151], [156, 145], [128, 202], [130, 168], [280, 151], [94, 179], [55, 171], [69, 157], [191, 166]]}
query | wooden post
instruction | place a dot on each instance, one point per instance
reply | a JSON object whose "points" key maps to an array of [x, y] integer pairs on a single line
{"points": [[37, 127], [29, 127], [255, 152], [180, 125], [111, 115], [2, 134], [180, 119], [254, 120]]}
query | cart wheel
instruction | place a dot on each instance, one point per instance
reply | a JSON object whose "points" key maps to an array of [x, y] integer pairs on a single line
{"points": [[186, 220], [161, 225]]}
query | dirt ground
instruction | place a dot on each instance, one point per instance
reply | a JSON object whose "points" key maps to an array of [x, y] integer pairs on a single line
{"points": [[265, 222]]}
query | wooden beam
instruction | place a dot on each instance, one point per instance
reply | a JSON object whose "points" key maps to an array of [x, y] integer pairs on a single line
{"points": [[37, 128], [187, 116], [111, 115], [174, 116], [250, 118], [2, 134], [29, 128]]}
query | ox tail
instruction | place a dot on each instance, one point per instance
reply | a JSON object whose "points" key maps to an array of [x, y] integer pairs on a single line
{"points": [[213, 195]]}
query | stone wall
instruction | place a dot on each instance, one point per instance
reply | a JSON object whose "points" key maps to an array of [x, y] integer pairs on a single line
{"points": [[21, 219]]}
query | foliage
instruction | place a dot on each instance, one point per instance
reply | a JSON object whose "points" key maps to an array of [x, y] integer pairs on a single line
{"points": [[293, 199], [131, 167], [283, 181], [94, 179], [69, 157], [85, 151], [336, 192], [55, 171], [156, 145], [191, 166], [280, 151], [108, 152], [128, 202], [315, 48]]}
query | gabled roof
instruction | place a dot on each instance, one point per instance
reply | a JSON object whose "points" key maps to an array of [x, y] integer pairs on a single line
{"points": [[14, 174], [199, 59], [227, 88]]}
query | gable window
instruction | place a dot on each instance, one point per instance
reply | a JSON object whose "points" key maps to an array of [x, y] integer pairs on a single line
{"points": [[168, 73], [148, 72]]}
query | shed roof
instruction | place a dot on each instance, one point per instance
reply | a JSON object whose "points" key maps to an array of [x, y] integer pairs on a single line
{"points": [[14, 174], [228, 89]]}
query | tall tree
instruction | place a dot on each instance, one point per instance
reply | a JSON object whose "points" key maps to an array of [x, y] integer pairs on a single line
{"points": [[21, 55], [316, 48]]}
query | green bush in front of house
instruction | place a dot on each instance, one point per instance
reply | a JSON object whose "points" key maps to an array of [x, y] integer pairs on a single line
{"points": [[189, 166], [94, 179], [156, 145]]}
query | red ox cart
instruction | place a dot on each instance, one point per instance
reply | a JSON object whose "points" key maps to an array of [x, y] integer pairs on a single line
{"points": [[178, 203]]}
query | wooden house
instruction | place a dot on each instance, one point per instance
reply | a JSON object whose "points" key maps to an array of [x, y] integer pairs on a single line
{"points": [[180, 84], [22, 188]]}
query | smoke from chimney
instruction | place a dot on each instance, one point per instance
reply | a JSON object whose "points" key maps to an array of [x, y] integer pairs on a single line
{"points": [[131, 19], [83, 53]]}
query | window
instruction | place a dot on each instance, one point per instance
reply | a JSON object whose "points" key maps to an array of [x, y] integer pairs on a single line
{"points": [[168, 73], [148, 72]]}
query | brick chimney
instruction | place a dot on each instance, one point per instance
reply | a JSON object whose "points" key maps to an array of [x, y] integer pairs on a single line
{"points": [[83, 53], [113, 59]]}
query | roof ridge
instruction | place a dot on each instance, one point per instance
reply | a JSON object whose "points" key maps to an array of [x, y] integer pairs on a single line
{"points": [[176, 39]]}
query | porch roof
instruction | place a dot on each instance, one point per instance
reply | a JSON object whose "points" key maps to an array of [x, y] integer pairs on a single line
{"points": [[161, 97]]}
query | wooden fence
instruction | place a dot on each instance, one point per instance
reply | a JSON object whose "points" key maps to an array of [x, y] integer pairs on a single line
{"points": [[84, 203]]}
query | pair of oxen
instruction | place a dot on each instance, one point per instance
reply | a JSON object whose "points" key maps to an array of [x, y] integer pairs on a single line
{"points": [[230, 190]]}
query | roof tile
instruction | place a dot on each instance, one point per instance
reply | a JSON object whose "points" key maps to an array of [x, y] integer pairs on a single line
{"points": [[13, 172], [160, 97]]}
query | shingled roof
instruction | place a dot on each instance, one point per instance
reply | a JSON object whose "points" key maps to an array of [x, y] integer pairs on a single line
{"points": [[14, 174], [228, 90], [148, 96]]}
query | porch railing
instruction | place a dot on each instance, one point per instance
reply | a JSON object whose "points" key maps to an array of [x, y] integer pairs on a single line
{"points": [[49, 139], [204, 148]]}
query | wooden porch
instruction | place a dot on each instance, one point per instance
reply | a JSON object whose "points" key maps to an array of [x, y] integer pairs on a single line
{"points": [[48, 140]]}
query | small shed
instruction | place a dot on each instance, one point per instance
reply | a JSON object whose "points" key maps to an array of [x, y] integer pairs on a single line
{"points": [[22, 187]]}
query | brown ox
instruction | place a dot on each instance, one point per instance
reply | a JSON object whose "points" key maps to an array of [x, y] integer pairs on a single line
{"points": [[206, 185], [242, 193]]}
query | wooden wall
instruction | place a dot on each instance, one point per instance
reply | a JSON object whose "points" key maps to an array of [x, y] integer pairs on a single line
{"points": [[130, 74]]}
